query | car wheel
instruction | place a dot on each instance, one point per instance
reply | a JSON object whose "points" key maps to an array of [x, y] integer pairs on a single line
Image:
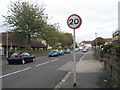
{"points": [[23, 61], [9, 62], [33, 60]]}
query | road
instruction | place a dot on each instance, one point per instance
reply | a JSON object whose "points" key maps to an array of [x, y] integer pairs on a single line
{"points": [[45, 72]]}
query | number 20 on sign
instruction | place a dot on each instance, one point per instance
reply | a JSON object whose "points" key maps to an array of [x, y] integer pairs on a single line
{"points": [[74, 21]]}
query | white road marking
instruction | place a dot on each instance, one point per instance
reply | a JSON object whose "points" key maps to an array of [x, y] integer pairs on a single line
{"points": [[42, 64], [26, 69], [54, 60], [83, 56], [46, 62], [41, 57], [15, 72], [59, 85]]}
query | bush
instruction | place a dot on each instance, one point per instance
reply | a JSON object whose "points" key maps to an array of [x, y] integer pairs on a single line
{"points": [[117, 49], [31, 52], [107, 48], [36, 51], [11, 52]]}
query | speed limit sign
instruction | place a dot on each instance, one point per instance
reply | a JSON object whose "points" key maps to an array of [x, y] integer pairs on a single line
{"points": [[74, 21]]}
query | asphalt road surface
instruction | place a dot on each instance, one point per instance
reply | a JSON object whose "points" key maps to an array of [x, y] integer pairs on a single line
{"points": [[45, 72]]}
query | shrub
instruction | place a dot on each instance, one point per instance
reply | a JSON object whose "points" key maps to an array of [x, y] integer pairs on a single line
{"points": [[117, 49], [11, 52], [31, 52], [35, 51], [107, 48]]}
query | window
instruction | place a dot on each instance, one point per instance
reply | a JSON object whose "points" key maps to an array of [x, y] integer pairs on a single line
{"points": [[25, 54]]}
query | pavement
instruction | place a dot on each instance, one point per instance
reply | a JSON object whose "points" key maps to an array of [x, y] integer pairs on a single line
{"points": [[89, 74]]}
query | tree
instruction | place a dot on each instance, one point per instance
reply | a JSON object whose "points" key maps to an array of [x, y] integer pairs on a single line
{"points": [[30, 20], [55, 37], [26, 18], [66, 39], [99, 41], [50, 34]]}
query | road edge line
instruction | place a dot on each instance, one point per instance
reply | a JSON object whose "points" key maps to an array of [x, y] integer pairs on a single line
{"points": [[14, 72], [83, 56], [59, 85]]}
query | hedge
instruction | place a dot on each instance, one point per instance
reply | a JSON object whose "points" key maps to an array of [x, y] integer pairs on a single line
{"points": [[31, 52]]}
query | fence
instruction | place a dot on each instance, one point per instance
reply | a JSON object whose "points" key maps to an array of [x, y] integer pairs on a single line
{"points": [[111, 65], [113, 70]]}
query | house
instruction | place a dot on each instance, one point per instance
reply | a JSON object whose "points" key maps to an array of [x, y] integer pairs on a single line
{"points": [[108, 40], [16, 41], [88, 44], [85, 44], [116, 37]]}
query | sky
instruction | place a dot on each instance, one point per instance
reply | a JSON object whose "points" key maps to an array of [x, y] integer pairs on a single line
{"points": [[98, 16]]}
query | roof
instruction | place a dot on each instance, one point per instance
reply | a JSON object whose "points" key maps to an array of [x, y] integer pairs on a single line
{"points": [[107, 39], [36, 43], [16, 39], [86, 42]]}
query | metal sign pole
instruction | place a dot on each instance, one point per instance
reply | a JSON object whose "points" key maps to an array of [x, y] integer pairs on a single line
{"points": [[74, 65], [74, 21]]}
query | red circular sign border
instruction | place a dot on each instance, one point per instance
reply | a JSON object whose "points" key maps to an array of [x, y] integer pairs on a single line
{"points": [[78, 24]]}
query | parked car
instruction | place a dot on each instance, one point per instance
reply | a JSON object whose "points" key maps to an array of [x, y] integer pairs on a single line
{"points": [[67, 51], [76, 49], [21, 57], [54, 53], [84, 50], [61, 52]]}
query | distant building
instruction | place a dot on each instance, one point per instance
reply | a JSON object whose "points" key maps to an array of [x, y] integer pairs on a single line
{"points": [[116, 34], [116, 37], [17, 42], [108, 40], [88, 44], [85, 44]]}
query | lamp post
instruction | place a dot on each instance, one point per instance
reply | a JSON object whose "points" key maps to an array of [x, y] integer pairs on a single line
{"points": [[7, 45], [96, 39], [7, 37]]}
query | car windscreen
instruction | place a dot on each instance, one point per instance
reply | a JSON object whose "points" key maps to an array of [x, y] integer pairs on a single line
{"points": [[84, 49], [61, 50], [53, 51], [27, 54], [15, 54]]}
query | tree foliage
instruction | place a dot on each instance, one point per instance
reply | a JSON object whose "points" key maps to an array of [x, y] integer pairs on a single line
{"points": [[31, 20], [66, 38], [55, 37], [99, 41], [26, 18]]}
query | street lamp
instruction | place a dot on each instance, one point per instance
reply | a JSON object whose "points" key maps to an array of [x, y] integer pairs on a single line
{"points": [[96, 39], [7, 36], [7, 44]]}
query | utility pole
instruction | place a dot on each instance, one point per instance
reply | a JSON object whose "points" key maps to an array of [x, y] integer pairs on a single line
{"points": [[96, 39], [7, 37]]}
